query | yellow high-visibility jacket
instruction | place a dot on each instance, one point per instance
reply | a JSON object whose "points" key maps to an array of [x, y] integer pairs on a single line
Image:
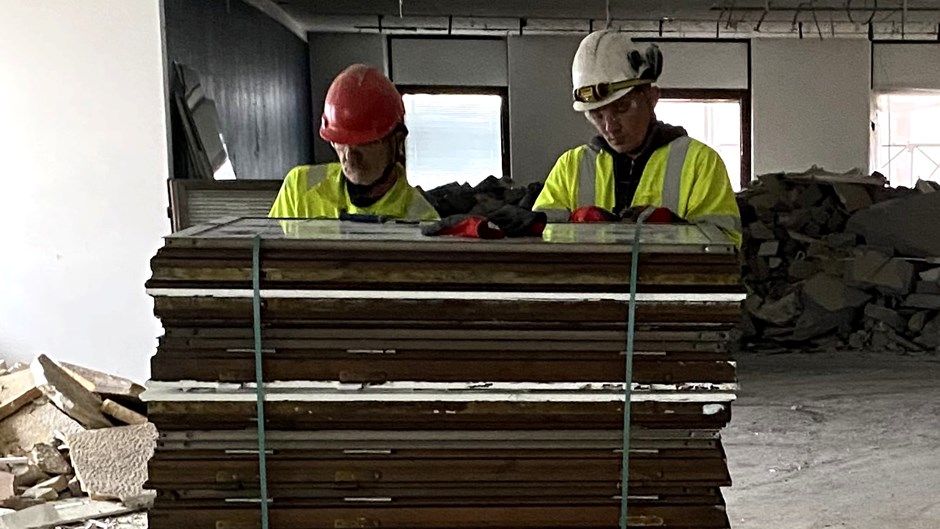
{"points": [[319, 191], [686, 176]]}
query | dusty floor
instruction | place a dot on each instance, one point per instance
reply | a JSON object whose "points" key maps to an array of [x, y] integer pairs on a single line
{"points": [[835, 440]]}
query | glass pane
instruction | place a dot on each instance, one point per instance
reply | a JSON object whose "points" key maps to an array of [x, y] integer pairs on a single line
{"points": [[453, 138], [715, 123], [907, 137]]}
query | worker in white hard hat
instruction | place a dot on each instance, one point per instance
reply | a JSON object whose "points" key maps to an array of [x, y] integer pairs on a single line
{"points": [[635, 161]]}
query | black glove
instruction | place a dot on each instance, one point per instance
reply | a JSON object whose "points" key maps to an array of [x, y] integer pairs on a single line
{"points": [[518, 222]]}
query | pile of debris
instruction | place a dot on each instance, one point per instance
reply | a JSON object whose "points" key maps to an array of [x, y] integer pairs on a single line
{"points": [[841, 262], [487, 196], [75, 445]]}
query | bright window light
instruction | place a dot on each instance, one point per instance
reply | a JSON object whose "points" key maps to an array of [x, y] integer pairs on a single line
{"points": [[715, 123], [907, 137], [453, 138]]}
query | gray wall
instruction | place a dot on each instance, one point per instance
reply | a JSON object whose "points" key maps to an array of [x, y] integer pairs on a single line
{"points": [[811, 104], [542, 123], [331, 53], [258, 74]]}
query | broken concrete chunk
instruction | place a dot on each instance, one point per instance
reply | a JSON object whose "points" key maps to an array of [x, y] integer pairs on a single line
{"points": [[6, 485], [874, 269], [28, 475], [923, 301], [879, 341], [802, 269], [75, 487], [917, 321], [853, 197], [49, 460], [768, 248], [831, 294], [815, 321], [68, 394], [930, 335], [841, 240], [927, 287], [774, 262], [926, 186], [890, 317], [901, 224], [18, 503], [759, 231], [36, 423], [781, 311], [931, 275], [41, 493], [112, 462], [57, 483]]}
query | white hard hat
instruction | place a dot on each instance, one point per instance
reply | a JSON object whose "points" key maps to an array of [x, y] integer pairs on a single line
{"points": [[608, 65]]}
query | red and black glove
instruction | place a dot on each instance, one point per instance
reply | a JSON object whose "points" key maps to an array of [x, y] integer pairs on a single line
{"points": [[471, 226], [592, 214], [518, 222]]}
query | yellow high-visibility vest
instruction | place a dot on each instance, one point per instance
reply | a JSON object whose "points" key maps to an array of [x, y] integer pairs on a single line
{"points": [[319, 191], [686, 176]]}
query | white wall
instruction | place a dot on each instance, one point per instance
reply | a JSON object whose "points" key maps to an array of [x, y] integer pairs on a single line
{"points": [[83, 164], [811, 104]]}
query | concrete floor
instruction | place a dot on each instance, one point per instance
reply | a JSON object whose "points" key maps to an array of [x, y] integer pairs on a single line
{"points": [[835, 440]]}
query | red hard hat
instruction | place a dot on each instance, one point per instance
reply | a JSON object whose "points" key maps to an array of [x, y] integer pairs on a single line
{"points": [[362, 106]]}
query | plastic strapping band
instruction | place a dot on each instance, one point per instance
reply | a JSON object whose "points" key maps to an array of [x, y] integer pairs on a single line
{"points": [[259, 378], [628, 374]]}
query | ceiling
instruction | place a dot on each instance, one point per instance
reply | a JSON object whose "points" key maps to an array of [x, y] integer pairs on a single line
{"points": [[892, 18]]}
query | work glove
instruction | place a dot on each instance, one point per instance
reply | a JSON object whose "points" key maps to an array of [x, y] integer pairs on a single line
{"points": [[472, 226], [518, 222], [592, 214]]}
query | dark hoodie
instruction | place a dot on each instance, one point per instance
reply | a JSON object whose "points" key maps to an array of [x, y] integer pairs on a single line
{"points": [[628, 168]]}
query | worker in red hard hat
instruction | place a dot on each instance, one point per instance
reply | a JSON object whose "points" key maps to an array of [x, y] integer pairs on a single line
{"points": [[363, 119]]}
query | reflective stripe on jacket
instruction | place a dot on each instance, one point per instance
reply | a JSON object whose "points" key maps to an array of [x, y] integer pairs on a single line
{"points": [[686, 176], [319, 191]]}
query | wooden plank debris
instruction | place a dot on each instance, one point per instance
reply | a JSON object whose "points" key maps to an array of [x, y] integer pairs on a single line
{"points": [[121, 413], [68, 394], [17, 389]]}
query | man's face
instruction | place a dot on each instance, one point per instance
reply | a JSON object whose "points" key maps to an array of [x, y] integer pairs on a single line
{"points": [[364, 164], [624, 123]]}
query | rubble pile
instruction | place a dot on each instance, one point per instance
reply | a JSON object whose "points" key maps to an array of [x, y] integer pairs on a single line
{"points": [[74, 445], [487, 196], [840, 262]]}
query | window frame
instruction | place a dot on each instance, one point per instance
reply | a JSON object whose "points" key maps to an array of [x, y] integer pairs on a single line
{"points": [[501, 91], [875, 145], [742, 97]]}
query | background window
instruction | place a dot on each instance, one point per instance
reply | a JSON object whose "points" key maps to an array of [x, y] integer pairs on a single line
{"points": [[453, 137], [716, 123], [907, 137]]}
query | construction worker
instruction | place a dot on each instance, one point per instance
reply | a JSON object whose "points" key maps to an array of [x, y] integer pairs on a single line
{"points": [[635, 161], [363, 119]]}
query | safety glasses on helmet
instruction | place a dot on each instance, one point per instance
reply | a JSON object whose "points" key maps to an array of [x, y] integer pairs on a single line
{"points": [[601, 91]]}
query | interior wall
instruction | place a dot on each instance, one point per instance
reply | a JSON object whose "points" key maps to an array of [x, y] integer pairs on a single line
{"points": [[83, 164], [257, 72], [811, 101], [905, 66], [331, 53], [542, 123], [448, 61]]}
